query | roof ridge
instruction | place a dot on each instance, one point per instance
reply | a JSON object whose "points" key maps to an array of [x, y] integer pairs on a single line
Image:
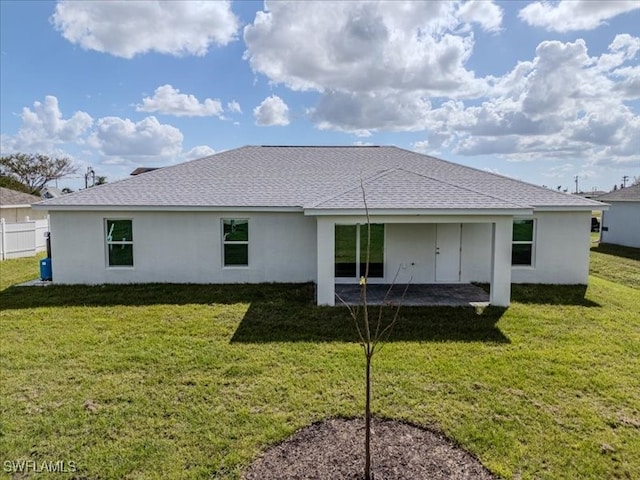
{"points": [[484, 194], [371, 178], [487, 172]]}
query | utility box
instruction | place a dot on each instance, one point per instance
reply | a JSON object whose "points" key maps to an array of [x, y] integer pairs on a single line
{"points": [[45, 269]]}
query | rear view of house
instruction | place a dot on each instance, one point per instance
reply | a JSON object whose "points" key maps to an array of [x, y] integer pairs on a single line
{"points": [[296, 214]]}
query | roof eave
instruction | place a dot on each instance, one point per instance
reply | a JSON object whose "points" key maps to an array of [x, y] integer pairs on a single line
{"points": [[419, 211], [571, 208], [164, 208], [26, 205]]}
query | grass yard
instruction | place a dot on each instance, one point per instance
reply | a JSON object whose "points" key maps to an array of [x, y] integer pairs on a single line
{"points": [[616, 263], [166, 381], [19, 270]]}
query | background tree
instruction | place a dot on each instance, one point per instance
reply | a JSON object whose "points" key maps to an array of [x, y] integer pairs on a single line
{"points": [[13, 184], [35, 170], [100, 180]]}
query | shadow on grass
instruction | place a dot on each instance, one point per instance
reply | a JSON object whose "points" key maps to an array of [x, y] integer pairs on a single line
{"points": [[152, 294], [551, 295], [617, 251], [276, 313], [268, 322]]}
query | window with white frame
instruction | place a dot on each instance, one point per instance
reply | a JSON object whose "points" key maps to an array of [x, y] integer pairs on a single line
{"points": [[235, 242], [119, 242], [522, 249]]}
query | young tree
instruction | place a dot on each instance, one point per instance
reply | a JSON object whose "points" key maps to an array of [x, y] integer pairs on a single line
{"points": [[371, 334], [35, 170]]}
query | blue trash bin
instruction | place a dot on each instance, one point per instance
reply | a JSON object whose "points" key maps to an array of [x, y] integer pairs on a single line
{"points": [[45, 269]]}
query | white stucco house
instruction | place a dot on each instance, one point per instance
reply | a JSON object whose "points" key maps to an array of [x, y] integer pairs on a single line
{"points": [[296, 214], [620, 225]]}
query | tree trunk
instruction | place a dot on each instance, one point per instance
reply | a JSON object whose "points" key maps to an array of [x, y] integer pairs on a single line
{"points": [[367, 422]]}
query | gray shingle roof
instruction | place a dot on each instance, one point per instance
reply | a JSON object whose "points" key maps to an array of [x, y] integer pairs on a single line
{"points": [[13, 197], [319, 177], [629, 194]]}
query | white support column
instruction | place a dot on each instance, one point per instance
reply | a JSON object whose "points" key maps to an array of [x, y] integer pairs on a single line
{"points": [[325, 280], [501, 262]]}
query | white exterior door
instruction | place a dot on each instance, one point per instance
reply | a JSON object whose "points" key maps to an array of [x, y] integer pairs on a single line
{"points": [[448, 237]]}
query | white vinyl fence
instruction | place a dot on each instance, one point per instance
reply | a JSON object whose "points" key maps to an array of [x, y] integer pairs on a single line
{"points": [[22, 239]]}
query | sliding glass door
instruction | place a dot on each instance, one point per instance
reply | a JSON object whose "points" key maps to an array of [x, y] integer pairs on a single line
{"points": [[351, 251]]}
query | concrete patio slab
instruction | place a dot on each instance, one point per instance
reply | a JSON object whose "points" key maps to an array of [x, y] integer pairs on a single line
{"points": [[35, 283], [440, 294]]}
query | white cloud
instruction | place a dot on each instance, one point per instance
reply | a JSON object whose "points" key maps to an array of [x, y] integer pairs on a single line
{"points": [[199, 152], [125, 29], [363, 47], [272, 111], [118, 137], [234, 107], [485, 13], [376, 111], [170, 101], [561, 104], [375, 63], [44, 127], [560, 171], [571, 15], [421, 146]]}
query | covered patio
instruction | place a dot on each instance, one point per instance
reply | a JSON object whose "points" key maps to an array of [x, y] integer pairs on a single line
{"points": [[441, 257], [417, 295]]}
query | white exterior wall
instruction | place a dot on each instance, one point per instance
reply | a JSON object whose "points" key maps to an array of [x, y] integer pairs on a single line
{"points": [[412, 248], [623, 224], [183, 247], [476, 252], [561, 249]]}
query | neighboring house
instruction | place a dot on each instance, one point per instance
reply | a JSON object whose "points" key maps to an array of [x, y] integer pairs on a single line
{"points": [[593, 194], [296, 214], [51, 192], [15, 206], [621, 222]]}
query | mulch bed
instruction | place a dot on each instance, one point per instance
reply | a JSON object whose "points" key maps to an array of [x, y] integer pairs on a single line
{"points": [[334, 449]]}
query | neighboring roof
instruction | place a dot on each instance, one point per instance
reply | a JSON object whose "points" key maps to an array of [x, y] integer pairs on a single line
{"points": [[593, 194], [140, 170], [12, 198], [51, 192], [628, 194], [319, 178]]}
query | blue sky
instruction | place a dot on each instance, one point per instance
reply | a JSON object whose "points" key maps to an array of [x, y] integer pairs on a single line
{"points": [[537, 91]]}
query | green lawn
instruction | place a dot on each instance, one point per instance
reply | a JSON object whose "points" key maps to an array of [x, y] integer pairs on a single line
{"points": [[166, 381], [19, 270], [616, 263]]}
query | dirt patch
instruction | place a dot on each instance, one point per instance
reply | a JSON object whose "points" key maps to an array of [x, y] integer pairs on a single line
{"points": [[334, 449]]}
